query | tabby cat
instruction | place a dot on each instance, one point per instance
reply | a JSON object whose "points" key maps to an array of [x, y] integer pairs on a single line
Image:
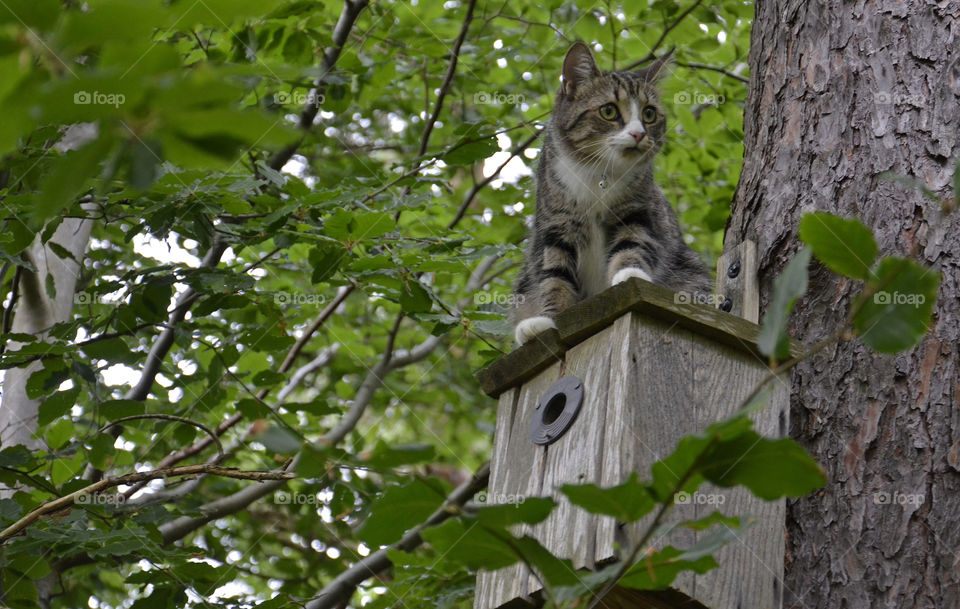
{"points": [[600, 217]]}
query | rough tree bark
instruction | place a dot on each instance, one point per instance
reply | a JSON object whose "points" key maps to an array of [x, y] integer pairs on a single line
{"points": [[839, 94]]}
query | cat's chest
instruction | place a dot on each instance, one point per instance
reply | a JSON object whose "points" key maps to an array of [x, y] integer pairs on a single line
{"points": [[591, 189], [592, 258]]}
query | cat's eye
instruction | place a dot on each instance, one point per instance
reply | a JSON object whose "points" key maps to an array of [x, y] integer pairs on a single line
{"points": [[609, 112], [649, 114]]}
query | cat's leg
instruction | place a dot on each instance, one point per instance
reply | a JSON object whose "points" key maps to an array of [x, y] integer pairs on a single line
{"points": [[557, 284], [631, 249]]}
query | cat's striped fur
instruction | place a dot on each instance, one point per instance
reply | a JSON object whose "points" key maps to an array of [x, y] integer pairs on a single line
{"points": [[600, 217]]}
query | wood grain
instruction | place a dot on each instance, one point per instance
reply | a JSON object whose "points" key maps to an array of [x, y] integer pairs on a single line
{"points": [[742, 289], [588, 317]]}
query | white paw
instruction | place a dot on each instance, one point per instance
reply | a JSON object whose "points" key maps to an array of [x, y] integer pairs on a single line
{"points": [[531, 326], [624, 274]]}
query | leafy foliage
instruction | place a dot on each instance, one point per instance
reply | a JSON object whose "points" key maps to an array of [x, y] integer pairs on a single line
{"points": [[312, 286]]}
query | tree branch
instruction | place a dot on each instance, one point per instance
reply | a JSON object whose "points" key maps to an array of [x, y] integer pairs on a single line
{"points": [[651, 55], [185, 470], [161, 347], [169, 417], [339, 591], [703, 66], [341, 31], [478, 186], [448, 78], [235, 418]]}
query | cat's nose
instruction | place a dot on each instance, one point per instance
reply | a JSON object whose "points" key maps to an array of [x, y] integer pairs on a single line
{"points": [[636, 135]]}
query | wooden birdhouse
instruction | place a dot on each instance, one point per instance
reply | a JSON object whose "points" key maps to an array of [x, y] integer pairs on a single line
{"points": [[626, 375]]}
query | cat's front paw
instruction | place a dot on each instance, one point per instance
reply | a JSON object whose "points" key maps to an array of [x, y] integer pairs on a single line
{"points": [[530, 327], [624, 274]]}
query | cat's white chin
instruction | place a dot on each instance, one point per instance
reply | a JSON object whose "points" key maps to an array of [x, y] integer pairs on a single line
{"points": [[530, 327], [624, 274]]}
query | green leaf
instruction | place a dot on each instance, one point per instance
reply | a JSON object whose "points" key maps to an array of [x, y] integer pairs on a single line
{"points": [[68, 178], [101, 450], [34, 14], [658, 570], [325, 259], [471, 545], [845, 246], [899, 313], [626, 502], [397, 509], [145, 162], [111, 349], [30, 565], [507, 511], [64, 468], [57, 405], [59, 433], [769, 468], [279, 440], [44, 381], [385, 457], [773, 340], [414, 298], [466, 152]]}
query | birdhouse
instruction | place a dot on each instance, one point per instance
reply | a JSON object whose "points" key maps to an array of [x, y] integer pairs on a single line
{"points": [[610, 392]]}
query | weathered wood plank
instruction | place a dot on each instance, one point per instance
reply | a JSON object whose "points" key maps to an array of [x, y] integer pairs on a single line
{"points": [[737, 280], [494, 584], [656, 408], [748, 567], [515, 470], [520, 364], [751, 569], [573, 458], [586, 318]]}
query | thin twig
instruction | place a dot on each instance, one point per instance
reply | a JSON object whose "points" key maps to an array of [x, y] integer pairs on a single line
{"points": [[448, 78], [168, 417], [703, 66], [484, 182], [339, 591], [651, 55], [341, 32], [185, 470]]}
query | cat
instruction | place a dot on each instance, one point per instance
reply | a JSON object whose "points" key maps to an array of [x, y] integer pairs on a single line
{"points": [[600, 218]]}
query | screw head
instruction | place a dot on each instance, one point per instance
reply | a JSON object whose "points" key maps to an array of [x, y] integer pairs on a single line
{"points": [[734, 269], [727, 305]]}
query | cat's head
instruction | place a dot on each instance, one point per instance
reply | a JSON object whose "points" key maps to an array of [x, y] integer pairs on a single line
{"points": [[610, 120]]}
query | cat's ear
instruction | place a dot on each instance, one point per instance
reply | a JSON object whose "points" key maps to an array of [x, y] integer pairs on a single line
{"points": [[659, 69], [578, 67]]}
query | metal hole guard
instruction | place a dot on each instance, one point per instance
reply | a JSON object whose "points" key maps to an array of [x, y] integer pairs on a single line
{"points": [[557, 410]]}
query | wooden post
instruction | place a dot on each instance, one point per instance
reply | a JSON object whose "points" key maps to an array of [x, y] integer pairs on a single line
{"points": [[653, 369]]}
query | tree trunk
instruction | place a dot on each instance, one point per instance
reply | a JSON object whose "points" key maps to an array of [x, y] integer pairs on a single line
{"points": [[841, 93], [36, 311]]}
